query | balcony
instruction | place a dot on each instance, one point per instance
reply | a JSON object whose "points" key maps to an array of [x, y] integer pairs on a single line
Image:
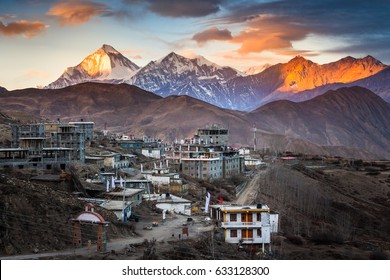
{"points": [[256, 224], [248, 240]]}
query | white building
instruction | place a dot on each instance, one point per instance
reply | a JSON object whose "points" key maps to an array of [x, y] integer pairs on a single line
{"points": [[254, 163], [244, 152], [162, 176], [122, 209], [248, 224], [158, 152], [167, 201]]}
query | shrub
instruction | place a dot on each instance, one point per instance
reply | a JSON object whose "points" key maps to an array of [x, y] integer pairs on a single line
{"points": [[295, 239], [327, 238]]}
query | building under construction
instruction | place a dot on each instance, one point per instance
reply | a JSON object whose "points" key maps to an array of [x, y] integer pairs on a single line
{"points": [[207, 156], [44, 145]]}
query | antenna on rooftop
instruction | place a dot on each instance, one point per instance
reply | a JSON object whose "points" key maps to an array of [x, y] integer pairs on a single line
{"points": [[254, 137]]}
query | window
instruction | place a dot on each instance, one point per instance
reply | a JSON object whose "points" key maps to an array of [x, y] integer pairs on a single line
{"points": [[259, 232], [233, 233], [233, 217]]}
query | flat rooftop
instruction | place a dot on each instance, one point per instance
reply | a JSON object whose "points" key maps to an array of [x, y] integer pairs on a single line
{"points": [[241, 208], [163, 198], [128, 192]]}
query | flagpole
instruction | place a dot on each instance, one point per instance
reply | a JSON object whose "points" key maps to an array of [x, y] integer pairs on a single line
{"points": [[123, 206]]}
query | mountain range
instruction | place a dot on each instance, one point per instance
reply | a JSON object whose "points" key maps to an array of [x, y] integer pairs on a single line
{"points": [[351, 122], [226, 87]]}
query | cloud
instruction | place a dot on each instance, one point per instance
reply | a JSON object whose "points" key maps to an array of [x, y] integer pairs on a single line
{"points": [[4, 17], [31, 73], [213, 33], [132, 53], [180, 8], [275, 25], [188, 54], [76, 12], [22, 27], [135, 56], [269, 32]]}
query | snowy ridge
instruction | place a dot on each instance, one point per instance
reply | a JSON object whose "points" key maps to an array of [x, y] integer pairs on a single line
{"points": [[177, 75], [104, 65], [222, 86]]}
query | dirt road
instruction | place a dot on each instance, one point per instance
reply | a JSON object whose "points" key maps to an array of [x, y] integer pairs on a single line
{"points": [[170, 230], [248, 195]]}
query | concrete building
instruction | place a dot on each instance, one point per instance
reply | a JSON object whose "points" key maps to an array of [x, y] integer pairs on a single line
{"points": [[132, 145], [254, 163], [154, 152], [96, 161], [110, 160], [206, 162], [207, 155], [161, 175], [66, 136], [86, 128], [213, 135], [43, 146], [170, 202], [121, 209], [129, 196], [247, 224]]}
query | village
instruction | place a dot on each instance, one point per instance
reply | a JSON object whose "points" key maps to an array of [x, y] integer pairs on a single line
{"points": [[136, 197], [146, 171]]}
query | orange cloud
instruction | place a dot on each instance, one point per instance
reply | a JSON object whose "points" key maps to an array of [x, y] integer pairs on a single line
{"points": [[76, 12], [22, 27], [135, 56], [132, 53], [212, 33], [268, 32], [31, 73]]}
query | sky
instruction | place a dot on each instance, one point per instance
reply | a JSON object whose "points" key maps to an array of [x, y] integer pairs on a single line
{"points": [[39, 39]]}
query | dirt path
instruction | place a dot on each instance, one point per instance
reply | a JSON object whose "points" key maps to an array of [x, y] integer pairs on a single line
{"points": [[248, 195]]}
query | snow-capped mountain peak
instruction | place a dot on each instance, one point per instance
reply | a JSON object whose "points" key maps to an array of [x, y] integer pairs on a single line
{"points": [[222, 86], [257, 69], [109, 49], [201, 60], [104, 65]]}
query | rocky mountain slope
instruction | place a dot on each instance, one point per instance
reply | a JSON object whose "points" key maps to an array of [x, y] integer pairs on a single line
{"points": [[286, 81], [353, 117], [177, 75], [352, 122], [378, 83]]}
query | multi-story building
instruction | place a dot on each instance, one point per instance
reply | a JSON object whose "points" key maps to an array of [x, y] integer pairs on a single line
{"points": [[213, 135], [132, 145], [67, 136], [86, 128], [154, 152], [43, 146], [206, 163], [247, 224]]}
